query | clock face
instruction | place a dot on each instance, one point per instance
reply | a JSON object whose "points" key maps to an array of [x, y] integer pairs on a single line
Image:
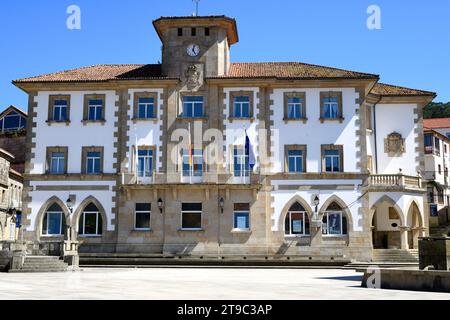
{"points": [[193, 50]]}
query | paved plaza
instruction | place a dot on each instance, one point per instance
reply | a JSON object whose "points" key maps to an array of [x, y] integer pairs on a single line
{"points": [[198, 283]]}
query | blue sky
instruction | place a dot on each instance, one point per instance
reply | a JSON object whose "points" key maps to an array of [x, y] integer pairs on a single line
{"points": [[412, 48]]}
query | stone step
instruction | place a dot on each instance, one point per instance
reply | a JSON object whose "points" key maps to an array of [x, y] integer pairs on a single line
{"points": [[44, 264]]}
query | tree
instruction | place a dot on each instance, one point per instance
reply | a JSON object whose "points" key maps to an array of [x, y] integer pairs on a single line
{"points": [[437, 110]]}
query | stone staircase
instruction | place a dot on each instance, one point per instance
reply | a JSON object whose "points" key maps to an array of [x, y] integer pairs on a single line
{"points": [[441, 231], [42, 264], [389, 259]]}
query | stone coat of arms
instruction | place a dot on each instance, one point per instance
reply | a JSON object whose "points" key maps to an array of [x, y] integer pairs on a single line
{"points": [[192, 77], [394, 144]]}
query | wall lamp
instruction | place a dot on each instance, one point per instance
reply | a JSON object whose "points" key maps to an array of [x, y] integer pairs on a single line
{"points": [[221, 204], [161, 205]]}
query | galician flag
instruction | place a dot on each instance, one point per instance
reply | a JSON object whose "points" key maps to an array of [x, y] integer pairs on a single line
{"points": [[249, 150]]}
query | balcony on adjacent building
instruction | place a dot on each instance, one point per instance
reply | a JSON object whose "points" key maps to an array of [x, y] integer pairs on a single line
{"points": [[395, 182]]}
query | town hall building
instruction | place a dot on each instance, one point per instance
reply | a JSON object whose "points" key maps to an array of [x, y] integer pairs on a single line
{"points": [[202, 157]]}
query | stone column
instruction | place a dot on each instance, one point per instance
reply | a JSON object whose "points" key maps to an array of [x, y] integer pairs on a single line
{"points": [[404, 238]]}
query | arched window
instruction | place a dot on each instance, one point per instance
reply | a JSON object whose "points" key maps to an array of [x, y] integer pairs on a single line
{"points": [[297, 221], [91, 222], [334, 221], [54, 223]]}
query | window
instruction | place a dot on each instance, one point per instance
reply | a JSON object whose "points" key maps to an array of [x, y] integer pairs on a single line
{"points": [[207, 32], [294, 106], [331, 105], [193, 32], [332, 158], [145, 162], [242, 216], [145, 105], [191, 216], [13, 122], [54, 221], [297, 221], [437, 146], [91, 222], [59, 108], [241, 107], [92, 160], [192, 107], [180, 32], [241, 162], [334, 221], [429, 144], [295, 158], [57, 163], [193, 167], [440, 169], [94, 107], [142, 216]]}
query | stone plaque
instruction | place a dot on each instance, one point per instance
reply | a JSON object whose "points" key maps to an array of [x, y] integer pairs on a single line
{"points": [[394, 145]]}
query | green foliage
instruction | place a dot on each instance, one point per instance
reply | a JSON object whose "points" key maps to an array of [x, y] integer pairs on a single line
{"points": [[437, 110]]}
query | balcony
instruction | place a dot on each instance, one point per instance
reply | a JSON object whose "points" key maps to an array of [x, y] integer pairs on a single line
{"points": [[395, 182], [210, 178], [432, 150]]}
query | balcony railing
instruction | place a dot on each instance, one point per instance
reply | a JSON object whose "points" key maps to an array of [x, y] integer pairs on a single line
{"points": [[160, 178], [395, 181]]}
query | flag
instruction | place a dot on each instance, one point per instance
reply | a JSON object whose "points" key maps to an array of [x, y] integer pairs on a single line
{"points": [[249, 151]]}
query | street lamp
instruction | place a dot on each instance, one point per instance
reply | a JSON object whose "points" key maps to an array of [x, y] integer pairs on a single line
{"points": [[161, 205], [70, 204], [221, 204]]}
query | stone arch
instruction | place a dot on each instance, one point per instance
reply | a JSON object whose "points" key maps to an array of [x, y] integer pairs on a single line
{"points": [[388, 199], [414, 220], [289, 204], [344, 207], [43, 210], [82, 206]]}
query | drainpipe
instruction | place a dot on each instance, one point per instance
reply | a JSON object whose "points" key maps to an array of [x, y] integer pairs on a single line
{"points": [[375, 133]]}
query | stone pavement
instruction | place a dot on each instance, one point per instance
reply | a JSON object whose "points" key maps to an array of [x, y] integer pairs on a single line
{"points": [[198, 283]]}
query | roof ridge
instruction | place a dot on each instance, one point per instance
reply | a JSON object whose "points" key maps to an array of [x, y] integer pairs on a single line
{"points": [[402, 87]]}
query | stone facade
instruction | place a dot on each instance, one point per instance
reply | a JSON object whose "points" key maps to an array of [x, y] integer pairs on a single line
{"points": [[325, 212]]}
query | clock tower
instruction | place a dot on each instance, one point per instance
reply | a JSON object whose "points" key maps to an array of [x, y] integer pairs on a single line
{"points": [[196, 47]]}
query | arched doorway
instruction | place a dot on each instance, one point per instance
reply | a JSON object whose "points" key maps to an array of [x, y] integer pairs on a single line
{"points": [[415, 224], [386, 223], [297, 221]]}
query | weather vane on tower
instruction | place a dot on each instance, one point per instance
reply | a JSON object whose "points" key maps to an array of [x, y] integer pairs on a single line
{"points": [[196, 6]]}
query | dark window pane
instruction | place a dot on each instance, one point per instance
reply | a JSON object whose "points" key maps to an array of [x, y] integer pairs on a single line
{"points": [[90, 223], [192, 220], [297, 207], [143, 207], [91, 208], [191, 207], [142, 220], [241, 220], [55, 208], [241, 207]]}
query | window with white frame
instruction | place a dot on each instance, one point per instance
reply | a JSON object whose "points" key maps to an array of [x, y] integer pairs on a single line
{"points": [[330, 107], [57, 163], [295, 161], [142, 216], [12, 122], [241, 107], [93, 162], [60, 110], [145, 162], [241, 216], [241, 162], [53, 223], [95, 107], [332, 160], [297, 221], [90, 223], [193, 107], [295, 108], [191, 216], [146, 108], [193, 163], [334, 221]]}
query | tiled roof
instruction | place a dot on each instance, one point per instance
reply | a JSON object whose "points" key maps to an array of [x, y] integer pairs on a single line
{"points": [[102, 72], [291, 70], [390, 90], [280, 70], [436, 123]]}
